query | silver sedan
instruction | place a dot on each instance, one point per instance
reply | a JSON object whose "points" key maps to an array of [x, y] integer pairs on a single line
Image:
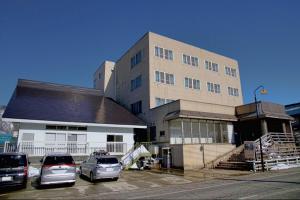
{"points": [[101, 167]]}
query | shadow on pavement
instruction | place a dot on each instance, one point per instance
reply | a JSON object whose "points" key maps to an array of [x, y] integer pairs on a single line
{"points": [[261, 181]]}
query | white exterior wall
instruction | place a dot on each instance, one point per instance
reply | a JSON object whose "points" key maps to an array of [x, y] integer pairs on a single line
{"points": [[94, 135]]}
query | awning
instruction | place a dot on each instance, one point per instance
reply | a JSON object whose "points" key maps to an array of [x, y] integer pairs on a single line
{"points": [[265, 115], [199, 115]]}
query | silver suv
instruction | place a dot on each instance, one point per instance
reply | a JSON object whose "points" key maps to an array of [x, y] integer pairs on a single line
{"points": [[101, 167], [58, 168]]}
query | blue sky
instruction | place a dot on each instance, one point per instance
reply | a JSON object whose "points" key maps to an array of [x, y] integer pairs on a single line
{"points": [[65, 41]]}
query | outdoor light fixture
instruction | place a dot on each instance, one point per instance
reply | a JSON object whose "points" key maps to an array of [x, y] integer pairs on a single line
{"points": [[262, 91]]}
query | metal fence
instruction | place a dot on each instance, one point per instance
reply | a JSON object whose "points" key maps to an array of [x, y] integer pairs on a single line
{"points": [[40, 148]]}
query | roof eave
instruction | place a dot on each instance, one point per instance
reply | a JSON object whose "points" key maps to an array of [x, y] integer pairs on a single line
{"points": [[15, 120]]}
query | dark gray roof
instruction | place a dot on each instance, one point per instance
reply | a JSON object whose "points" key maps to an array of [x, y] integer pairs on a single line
{"points": [[35, 100]]}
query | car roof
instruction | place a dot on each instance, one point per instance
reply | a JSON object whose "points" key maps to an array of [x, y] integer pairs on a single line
{"points": [[105, 156], [57, 154]]}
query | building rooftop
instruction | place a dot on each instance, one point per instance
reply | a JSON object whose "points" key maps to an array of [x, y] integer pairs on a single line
{"points": [[34, 100]]}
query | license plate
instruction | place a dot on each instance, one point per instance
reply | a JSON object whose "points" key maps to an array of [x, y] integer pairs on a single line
{"points": [[109, 169], [8, 178]]}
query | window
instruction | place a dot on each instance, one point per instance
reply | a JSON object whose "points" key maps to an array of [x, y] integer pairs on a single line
{"points": [[169, 100], [217, 88], [168, 54], [159, 101], [71, 128], [136, 108], [136, 83], [192, 83], [212, 87], [188, 82], [114, 138], [162, 101], [169, 79], [190, 60], [136, 59], [233, 91], [162, 77], [211, 66], [196, 84], [230, 71], [28, 137], [163, 53], [162, 133], [157, 77], [194, 61]]}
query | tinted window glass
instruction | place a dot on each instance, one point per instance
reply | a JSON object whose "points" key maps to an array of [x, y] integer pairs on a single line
{"points": [[58, 160], [107, 160], [11, 161]]}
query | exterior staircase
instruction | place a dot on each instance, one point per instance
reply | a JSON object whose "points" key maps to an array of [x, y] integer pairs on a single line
{"points": [[133, 155], [235, 162]]}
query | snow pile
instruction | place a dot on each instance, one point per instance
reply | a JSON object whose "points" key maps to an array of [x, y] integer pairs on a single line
{"points": [[33, 171], [284, 166]]}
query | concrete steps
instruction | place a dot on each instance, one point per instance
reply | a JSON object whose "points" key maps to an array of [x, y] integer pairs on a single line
{"points": [[235, 162], [242, 166]]}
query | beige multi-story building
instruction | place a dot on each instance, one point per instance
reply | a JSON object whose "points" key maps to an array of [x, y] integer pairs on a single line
{"points": [[186, 94]]}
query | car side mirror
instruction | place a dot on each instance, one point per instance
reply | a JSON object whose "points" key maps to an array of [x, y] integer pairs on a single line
{"points": [[84, 161], [29, 162], [41, 160], [121, 163]]}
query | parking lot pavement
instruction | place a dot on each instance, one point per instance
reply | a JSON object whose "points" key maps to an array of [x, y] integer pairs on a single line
{"points": [[192, 185], [129, 181]]}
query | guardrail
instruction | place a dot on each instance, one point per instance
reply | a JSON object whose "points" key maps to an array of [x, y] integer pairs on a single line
{"points": [[269, 164]]}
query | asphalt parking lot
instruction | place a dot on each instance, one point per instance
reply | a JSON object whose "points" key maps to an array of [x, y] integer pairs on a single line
{"points": [[209, 184], [129, 180]]}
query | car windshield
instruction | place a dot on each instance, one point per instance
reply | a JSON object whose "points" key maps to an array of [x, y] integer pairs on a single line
{"points": [[107, 160], [12, 161], [58, 160]]}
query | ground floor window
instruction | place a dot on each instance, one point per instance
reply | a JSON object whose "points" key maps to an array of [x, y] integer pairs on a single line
{"points": [[114, 138], [65, 137], [193, 131]]}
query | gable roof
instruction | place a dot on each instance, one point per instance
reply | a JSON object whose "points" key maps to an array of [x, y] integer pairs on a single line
{"points": [[33, 100]]}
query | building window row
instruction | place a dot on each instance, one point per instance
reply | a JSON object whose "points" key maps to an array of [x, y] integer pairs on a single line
{"points": [[136, 59], [163, 53], [211, 66], [190, 60], [192, 83], [162, 101], [213, 87], [136, 107], [233, 91], [136, 83], [162, 77], [230, 71]]}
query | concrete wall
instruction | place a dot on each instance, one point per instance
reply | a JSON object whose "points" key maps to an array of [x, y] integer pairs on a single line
{"points": [[125, 74], [190, 156], [104, 79], [181, 70]]}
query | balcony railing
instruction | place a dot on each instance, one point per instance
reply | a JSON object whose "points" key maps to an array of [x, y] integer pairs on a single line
{"points": [[40, 148]]}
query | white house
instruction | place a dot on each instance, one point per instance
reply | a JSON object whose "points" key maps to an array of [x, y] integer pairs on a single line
{"points": [[52, 117]]}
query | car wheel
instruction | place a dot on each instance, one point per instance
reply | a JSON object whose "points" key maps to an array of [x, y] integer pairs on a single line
{"points": [[116, 178], [92, 177], [24, 184], [80, 172], [72, 184]]}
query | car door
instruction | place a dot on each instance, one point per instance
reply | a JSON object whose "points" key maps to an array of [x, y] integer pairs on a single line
{"points": [[84, 166]]}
